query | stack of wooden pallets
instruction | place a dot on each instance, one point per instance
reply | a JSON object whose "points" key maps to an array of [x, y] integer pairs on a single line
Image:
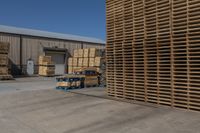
{"points": [[4, 50], [84, 58], [46, 66], [153, 51]]}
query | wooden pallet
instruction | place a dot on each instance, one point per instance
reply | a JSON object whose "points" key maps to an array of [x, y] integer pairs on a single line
{"points": [[153, 51]]}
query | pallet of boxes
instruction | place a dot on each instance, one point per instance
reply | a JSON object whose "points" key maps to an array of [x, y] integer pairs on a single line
{"points": [[91, 77], [69, 81], [4, 50], [46, 66], [84, 59]]}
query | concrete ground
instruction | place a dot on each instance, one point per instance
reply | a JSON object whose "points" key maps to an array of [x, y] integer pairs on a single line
{"points": [[31, 105]]}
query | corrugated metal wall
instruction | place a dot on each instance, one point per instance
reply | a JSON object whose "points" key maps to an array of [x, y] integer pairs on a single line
{"points": [[89, 45], [14, 41], [32, 47]]}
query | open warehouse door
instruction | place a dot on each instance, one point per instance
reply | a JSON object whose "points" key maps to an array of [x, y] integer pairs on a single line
{"points": [[58, 57]]}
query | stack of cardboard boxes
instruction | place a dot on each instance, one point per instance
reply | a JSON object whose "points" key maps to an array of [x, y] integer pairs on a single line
{"points": [[84, 58], [46, 66], [4, 50]]}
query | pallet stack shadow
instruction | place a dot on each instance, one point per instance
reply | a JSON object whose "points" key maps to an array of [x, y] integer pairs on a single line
{"points": [[84, 58], [46, 66], [4, 50], [153, 51]]}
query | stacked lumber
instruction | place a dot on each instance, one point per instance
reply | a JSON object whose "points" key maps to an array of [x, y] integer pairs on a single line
{"points": [[4, 50], [153, 51], [46, 66], [84, 58]]}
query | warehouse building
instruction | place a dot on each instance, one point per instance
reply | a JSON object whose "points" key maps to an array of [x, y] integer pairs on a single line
{"points": [[28, 44]]}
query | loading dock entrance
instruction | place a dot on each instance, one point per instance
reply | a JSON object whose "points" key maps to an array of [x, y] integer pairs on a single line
{"points": [[59, 57]]}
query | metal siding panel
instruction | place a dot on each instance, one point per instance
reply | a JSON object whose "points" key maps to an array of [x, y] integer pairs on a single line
{"points": [[71, 46], [30, 49], [14, 41], [33, 47], [91, 45]]}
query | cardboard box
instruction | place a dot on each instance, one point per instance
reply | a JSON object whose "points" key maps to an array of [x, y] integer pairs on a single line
{"points": [[91, 81], [76, 55], [85, 62], [47, 70], [98, 69], [94, 52], [86, 53], [80, 53], [78, 83], [80, 62], [99, 61], [91, 62], [75, 62], [63, 84], [70, 61], [44, 59], [70, 69], [76, 69], [47, 63]]}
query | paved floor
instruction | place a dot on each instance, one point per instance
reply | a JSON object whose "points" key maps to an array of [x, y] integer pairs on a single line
{"points": [[23, 84], [34, 106]]}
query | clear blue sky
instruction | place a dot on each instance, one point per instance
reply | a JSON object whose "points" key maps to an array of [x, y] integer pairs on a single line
{"points": [[79, 17]]}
